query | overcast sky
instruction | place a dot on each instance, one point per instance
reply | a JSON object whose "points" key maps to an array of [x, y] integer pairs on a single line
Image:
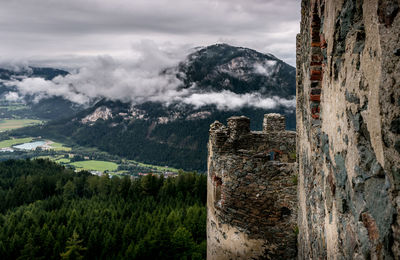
{"points": [[67, 32]]}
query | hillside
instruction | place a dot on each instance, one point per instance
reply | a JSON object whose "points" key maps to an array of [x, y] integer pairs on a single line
{"points": [[240, 70], [30, 106], [45, 206], [176, 134]]}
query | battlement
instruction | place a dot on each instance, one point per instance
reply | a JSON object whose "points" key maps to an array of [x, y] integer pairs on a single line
{"points": [[273, 142], [238, 126], [251, 192], [346, 205], [274, 123]]}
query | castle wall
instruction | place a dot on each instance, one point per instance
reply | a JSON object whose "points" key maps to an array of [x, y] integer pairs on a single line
{"points": [[252, 199], [348, 125]]}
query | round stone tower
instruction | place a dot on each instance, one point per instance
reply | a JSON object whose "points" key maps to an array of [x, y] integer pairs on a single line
{"points": [[251, 196]]}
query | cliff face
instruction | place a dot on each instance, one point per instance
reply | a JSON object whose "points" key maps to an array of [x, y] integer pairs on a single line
{"points": [[251, 190], [348, 124]]}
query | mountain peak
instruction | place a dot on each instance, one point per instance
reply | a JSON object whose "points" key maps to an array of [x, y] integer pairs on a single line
{"points": [[240, 70], [226, 49]]}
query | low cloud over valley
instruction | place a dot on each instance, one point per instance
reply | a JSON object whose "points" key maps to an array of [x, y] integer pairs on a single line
{"points": [[143, 75]]}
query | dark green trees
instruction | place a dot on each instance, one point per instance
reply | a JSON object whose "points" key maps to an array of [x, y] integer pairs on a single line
{"points": [[46, 206], [74, 249]]}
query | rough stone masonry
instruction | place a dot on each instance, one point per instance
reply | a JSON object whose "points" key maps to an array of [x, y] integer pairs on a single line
{"points": [[251, 192], [348, 126]]}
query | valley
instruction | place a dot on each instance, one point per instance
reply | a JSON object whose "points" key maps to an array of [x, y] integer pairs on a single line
{"points": [[18, 115], [215, 83], [128, 128], [78, 158]]}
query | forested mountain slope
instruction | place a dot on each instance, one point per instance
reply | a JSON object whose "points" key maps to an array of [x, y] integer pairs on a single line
{"points": [[47, 210], [221, 81]]}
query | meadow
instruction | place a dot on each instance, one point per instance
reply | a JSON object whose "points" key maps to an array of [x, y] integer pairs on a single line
{"points": [[158, 168], [9, 124], [14, 141], [94, 165], [59, 147]]}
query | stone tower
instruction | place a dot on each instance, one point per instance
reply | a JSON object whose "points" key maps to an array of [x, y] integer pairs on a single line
{"points": [[251, 199], [348, 126]]}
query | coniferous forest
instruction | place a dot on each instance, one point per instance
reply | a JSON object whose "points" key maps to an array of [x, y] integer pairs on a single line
{"points": [[50, 212]]}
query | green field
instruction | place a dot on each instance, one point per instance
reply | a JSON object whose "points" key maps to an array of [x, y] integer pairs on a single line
{"points": [[9, 124], [158, 168], [59, 147], [63, 160], [56, 158], [52, 158], [11, 142], [95, 165]]}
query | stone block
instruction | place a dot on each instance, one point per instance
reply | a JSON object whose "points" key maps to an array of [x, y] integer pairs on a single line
{"points": [[274, 123]]}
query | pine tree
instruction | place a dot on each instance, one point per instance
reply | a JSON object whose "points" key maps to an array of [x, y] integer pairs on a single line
{"points": [[73, 248], [183, 243]]}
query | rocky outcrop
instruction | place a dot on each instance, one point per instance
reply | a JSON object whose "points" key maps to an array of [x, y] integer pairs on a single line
{"points": [[251, 199], [348, 114], [100, 113]]}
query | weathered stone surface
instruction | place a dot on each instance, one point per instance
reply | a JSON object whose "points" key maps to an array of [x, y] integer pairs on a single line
{"points": [[274, 123], [251, 203], [395, 126], [387, 11], [349, 143]]}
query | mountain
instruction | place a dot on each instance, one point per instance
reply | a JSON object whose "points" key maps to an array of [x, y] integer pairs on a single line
{"points": [[240, 70], [176, 134], [46, 73], [45, 108]]}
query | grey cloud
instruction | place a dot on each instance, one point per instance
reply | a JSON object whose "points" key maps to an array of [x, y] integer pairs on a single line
{"points": [[92, 27], [137, 79], [178, 16], [12, 96], [228, 100], [266, 68], [93, 40]]}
